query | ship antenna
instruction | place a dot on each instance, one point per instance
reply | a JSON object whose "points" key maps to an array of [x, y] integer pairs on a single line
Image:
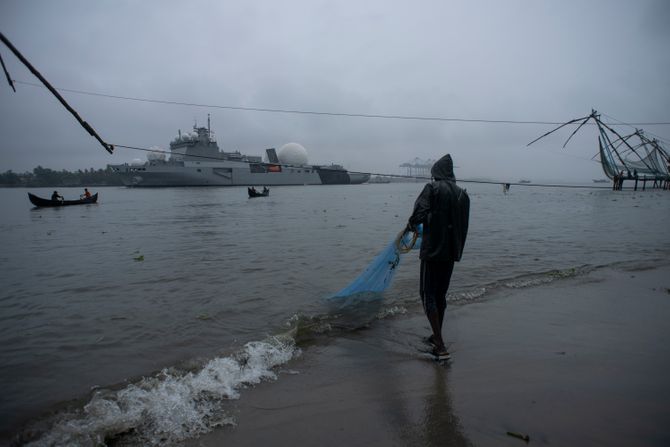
{"points": [[208, 128]]}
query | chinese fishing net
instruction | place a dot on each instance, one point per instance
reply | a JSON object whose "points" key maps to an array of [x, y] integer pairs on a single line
{"points": [[377, 277]]}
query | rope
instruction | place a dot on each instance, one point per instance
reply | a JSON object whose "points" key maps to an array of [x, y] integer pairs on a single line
{"points": [[108, 147], [320, 113], [380, 174], [401, 245]]}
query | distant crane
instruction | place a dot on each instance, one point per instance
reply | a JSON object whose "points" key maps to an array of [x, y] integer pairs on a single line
{"points": [[418, 167]]}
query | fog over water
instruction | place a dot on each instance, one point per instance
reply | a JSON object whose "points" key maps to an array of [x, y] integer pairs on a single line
{"points": [[514, 60]]}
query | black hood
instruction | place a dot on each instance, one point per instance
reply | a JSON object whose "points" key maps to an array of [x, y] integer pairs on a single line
{"points": [[443, 169]]}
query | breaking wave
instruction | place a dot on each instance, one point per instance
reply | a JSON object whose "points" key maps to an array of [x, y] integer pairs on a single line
{"points": [[520, 282], [170, 406]]}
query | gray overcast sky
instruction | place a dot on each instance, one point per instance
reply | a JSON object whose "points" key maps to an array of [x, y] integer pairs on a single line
{"points": [[515, 60]]}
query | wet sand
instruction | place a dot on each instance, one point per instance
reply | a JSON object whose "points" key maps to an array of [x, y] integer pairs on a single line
{"points": [[582, 361]]}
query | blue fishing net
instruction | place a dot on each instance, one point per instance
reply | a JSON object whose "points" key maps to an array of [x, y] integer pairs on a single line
{"points": [[378, 275]]}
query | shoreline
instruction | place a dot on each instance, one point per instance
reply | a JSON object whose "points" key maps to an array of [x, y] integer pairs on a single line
{"points": [[580, 361]]}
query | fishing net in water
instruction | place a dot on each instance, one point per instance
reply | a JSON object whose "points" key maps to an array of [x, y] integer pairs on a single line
{"points": [[377, 277]]}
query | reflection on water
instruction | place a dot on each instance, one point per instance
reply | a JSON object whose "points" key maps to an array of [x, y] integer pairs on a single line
{"points": [[409, 390], [440, 425]]}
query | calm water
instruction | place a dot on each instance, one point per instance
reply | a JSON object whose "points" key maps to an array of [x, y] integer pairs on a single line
{"points": [[197, 280]]}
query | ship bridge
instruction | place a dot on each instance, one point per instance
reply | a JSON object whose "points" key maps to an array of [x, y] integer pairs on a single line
{"points": [[195, 145]]}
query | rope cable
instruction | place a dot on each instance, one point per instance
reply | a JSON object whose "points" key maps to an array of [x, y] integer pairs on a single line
{"points": [[109, 148], [315, 112], [381, 174], [402, 244], [632, 125]]}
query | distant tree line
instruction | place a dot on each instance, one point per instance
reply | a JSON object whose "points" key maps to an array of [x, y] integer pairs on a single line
{"points": [[48, 177]]}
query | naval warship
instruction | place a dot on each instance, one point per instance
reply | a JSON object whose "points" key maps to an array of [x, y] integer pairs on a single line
{"points": [[195, 160]]}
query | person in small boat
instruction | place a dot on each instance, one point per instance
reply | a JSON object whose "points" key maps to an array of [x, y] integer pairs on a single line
{"points": [[252, 190], [444, 210], [57, 197], [86, 195], [265, 190]]}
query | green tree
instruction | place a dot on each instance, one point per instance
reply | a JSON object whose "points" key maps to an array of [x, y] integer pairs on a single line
{"points": [[10, 178]]}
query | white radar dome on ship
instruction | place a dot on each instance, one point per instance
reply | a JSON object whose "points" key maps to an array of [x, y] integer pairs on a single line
{"points": [[136, 162], [292, 154], [156, 154]]}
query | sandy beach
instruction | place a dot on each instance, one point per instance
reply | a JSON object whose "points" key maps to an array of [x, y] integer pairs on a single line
{"points": [[582, 361]]}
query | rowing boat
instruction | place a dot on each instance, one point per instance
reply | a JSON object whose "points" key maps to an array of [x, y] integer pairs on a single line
{"points": [[40, 202]]}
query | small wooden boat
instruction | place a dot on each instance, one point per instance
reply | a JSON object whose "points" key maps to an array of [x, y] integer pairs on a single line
{"points": [[253, 193], [38, 201]]}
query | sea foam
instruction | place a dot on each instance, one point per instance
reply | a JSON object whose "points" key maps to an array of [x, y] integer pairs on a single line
{"points": [[170, 406]]}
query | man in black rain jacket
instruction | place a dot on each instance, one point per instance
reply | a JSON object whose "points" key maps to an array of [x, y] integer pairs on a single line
{"points": [[443, 208]]}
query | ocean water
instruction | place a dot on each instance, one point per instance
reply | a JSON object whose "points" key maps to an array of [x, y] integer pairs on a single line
{"points": [[137, 319]]}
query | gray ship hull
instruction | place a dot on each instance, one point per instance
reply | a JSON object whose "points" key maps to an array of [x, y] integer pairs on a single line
{"points": [[195, 160], [229, 173]]}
